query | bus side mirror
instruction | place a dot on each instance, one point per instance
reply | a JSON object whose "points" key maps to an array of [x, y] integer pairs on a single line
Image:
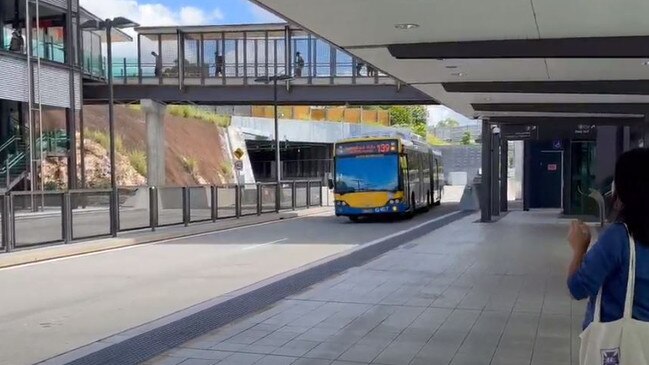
{"points": [[330, 183]]}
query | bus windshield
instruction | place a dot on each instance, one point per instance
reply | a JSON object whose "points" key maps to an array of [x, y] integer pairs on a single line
{"points": [[367, 173]]}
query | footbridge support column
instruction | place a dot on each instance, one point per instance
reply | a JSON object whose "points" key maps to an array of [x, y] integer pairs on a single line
{"points": [[154, 115]]}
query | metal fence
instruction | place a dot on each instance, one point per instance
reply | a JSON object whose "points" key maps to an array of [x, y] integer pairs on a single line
{"points": [[30, 219]]}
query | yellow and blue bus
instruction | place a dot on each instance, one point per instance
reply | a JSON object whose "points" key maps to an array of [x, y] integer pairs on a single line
{"points": [[378, 176]]}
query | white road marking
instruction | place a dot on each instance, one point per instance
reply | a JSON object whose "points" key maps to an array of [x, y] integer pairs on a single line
{"points": [[264, 244], [139, 245]]}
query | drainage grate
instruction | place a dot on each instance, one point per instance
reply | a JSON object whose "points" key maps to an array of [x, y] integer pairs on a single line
{"points": [[150, 344]]}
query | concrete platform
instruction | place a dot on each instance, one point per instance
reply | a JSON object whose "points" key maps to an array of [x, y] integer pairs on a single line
{"points": [[467, 293]]}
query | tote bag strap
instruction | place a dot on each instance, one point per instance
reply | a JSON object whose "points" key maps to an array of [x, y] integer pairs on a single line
{"points": [[630, 285]]}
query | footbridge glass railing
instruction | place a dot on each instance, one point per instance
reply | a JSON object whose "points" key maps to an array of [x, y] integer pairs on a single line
{"points": [[237, 55]]}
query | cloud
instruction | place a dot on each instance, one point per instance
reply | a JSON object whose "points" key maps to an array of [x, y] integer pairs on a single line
{"points": [[262, 15], [150, 14]]}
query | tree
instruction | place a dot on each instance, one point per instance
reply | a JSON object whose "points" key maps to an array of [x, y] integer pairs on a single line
{"points": [[448, 123], [413, 117], [466, 138], [433, 140]]}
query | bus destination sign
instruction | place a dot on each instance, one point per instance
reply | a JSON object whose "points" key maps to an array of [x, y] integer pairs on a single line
{"points": [[366, 148]]}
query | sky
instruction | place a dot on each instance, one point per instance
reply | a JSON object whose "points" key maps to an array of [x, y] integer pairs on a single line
{"points": [[177, 12], [437, 113], [181, 12]]}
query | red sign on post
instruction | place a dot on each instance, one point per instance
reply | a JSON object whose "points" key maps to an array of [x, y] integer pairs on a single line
{"points": [[552, 167]]}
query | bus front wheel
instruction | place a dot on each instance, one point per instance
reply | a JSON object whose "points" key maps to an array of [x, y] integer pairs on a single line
{"points": [[354, 218]]}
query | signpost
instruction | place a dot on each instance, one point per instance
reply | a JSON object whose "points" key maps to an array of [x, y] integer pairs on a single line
{"points": [[238, 163]]}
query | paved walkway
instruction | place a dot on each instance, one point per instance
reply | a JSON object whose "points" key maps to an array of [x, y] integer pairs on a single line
{"points": [[467, 293]]}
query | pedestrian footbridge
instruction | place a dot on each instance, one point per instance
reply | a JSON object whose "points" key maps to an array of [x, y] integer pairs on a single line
{"points": [[222, 64]]}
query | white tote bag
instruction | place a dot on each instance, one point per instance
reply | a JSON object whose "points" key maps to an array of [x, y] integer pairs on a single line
{"points": [[622, 342]]}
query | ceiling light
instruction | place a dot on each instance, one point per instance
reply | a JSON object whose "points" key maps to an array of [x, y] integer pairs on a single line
{"points": [[406, 26], [451, 67], [458, 74], [487, 99], [646, 63]]}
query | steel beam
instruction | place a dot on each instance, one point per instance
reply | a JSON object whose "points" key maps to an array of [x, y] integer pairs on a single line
{"points": [[260, 94], [587, 47]]}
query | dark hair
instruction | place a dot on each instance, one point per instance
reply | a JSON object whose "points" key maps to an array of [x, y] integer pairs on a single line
{"points": [[632, 192]]}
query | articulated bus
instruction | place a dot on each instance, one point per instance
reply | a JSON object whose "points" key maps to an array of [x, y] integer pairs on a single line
{"points": [[380, 176]]}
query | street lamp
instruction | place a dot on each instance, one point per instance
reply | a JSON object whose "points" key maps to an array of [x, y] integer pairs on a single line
{"points": [[108, 25], [278, 167]]}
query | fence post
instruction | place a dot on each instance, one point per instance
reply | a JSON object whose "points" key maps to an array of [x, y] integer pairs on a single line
{"points": [[186, 206], [278, 196], [259, 197], [321, 190], [66, 217], [12, 240], [293, 195], [308, 194], [114, 213], [237, 201], [5, 223], [153, 207], [214, 199]]}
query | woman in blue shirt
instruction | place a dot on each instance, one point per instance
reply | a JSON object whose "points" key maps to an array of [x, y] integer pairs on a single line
{"points": [[606, 265]]}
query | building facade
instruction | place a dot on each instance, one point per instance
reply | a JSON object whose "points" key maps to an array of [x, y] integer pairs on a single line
{"points": [[45, 55]]}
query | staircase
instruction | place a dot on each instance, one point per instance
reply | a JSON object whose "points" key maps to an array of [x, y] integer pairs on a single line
{"points": [[14, 163]]}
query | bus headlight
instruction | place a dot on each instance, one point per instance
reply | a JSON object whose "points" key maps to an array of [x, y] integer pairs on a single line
{"points": [[391, 201]]}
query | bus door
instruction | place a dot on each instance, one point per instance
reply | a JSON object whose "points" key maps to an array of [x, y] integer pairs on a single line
{"points": [[405, 175]]}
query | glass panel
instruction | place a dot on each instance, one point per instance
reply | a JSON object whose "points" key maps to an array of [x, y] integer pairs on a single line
{"points": [[249, 200], [169, 55], [286, 196], [301, 45], [268, 197], [212, 51], [148, 55], [316, 191], [230, 58], [170, 206], [322, 52], [90, 214], [300, 194], [200, 198], [192, 56], [241, 48], [582, 178], [227, 202], [343, 64], [41, 210], [134, 208], [261, 57]]}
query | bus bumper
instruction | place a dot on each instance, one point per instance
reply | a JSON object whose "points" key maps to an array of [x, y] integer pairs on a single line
{"points": [[348, 211]]}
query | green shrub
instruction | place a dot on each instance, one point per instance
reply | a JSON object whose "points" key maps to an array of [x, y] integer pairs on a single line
{"points": [[138, 161], [51, 185], [103, 139], [435, 141], [226, 169], [188, 111], [190, 164]]}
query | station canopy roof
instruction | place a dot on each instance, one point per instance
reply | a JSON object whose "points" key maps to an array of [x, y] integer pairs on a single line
{"points": [[497, 58]]}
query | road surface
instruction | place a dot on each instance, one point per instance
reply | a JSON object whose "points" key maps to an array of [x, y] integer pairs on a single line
{"points": [[52, 307]]}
